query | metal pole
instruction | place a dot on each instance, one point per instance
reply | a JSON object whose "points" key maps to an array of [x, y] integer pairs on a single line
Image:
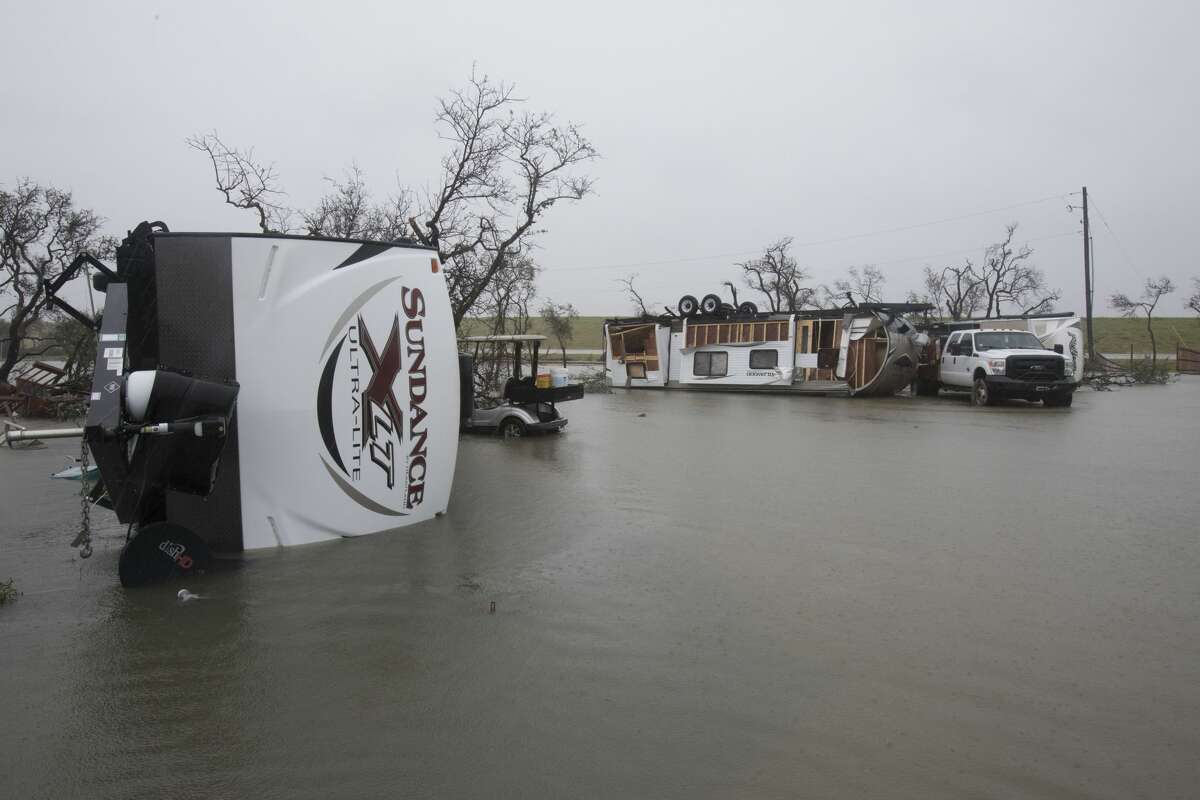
{"points": [[1087, 277], [15, 434]]}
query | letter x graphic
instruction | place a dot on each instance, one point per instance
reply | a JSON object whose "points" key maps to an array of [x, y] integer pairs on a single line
{"points": [[383, 374]]}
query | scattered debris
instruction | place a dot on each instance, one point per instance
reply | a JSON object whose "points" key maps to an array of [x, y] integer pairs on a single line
{"points": [[8, 592], [184, 596], [642, 414], [492, 608]]}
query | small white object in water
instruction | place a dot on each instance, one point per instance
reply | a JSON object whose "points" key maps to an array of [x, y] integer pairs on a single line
{"points": [[184, 595]]}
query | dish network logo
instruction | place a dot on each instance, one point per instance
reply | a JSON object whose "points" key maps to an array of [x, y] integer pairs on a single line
{"points": [[378, 425]]}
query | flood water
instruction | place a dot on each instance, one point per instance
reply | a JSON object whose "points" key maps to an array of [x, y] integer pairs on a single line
{"points": [[732, 596]]}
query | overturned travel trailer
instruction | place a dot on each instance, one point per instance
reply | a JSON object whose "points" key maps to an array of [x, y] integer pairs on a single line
{"points": [[258, 391], [867, 350]]}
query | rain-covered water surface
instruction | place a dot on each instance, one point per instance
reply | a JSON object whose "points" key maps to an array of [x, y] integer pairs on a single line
{"points": [[732, 596]]}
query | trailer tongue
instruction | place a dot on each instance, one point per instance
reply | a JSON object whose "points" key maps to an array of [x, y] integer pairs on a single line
{"points": [[264, 391]]}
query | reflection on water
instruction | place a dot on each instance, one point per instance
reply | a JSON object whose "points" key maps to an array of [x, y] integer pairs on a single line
{"points": [[730, 596]]}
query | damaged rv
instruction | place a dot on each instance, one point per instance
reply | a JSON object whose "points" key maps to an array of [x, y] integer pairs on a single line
{"points": [[867, 350], [260, 391]]}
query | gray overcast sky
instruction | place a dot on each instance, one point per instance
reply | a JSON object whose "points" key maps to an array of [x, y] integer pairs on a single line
{"points": [[723, 127]]}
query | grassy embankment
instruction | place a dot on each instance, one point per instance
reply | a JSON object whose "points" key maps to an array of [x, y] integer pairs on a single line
{"points": [[1113, 334]]}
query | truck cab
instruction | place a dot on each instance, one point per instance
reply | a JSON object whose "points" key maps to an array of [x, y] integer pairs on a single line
{"points": [[999, 364]]}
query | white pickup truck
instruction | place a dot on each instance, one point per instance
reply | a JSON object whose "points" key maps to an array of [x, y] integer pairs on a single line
{"points": [[998, 364]]}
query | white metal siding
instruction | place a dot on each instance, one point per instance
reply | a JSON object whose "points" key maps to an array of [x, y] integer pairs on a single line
{"points": [[676, 356]]}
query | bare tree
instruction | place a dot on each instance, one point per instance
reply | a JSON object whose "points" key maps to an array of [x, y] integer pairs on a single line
{"points": [[639, 304], [504, 307], [778, 278], [560, 322], [1194, 301], [246, 182], [1008, 276], [504, 171], [859, 286], [957, 291], [41, 233], [348, 212], [505, 302], [1152, 292]]}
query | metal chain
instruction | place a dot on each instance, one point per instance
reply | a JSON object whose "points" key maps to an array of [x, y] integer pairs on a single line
{"points": [[84, 540]]}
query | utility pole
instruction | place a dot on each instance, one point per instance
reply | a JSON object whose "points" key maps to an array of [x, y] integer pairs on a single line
{"points": [[1087, 278]]}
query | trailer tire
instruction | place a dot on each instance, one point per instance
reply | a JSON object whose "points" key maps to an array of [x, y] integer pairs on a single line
{"points": [[710, 304], [747, 308], [981, 394], [159, 551], [512, 428], [688, 306]]}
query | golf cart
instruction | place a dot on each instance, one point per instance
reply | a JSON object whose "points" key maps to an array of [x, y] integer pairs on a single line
{"points": [[525, 406]]}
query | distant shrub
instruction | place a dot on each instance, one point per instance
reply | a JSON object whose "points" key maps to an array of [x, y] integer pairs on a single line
{"points": [[1149, 371], [596, 383], [8, 591]]}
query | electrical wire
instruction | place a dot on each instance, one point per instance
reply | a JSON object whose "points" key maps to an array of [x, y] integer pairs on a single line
{"points": [[945, 254], [1129, 262], [816, 242]]}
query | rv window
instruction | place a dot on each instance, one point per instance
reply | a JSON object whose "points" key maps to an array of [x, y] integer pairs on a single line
{"points": [[710, 364], [636, 370], [764, 359]]}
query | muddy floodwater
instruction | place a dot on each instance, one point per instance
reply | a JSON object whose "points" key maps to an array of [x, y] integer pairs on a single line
{"points": [[731, 596]]}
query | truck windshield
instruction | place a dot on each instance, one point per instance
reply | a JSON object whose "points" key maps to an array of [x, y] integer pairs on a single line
{"points": [[1007, 340]]}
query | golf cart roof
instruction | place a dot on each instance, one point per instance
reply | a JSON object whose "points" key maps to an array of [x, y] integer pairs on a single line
{"points": [[507, 337]]}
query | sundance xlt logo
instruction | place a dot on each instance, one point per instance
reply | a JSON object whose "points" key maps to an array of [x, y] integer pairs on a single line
{"points": [[371, 402]]}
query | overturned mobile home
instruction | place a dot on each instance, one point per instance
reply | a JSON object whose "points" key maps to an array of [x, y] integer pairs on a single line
{"points": [[866, 350]]}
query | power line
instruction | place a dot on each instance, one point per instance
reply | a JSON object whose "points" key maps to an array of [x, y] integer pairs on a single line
{"points": [[1129, 262], [950, 252], [816, 242]]}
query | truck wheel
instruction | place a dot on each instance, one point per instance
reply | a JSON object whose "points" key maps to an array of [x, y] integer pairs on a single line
{"points": [[1059, 400], [710, 304], [747, 308], [981, 394], [688, 306], [512, 428]]}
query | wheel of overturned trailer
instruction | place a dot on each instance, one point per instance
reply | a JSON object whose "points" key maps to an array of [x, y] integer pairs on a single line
{"points": [[710, 304], [981, 394], [747, 308], [162, 550], [1058, 400], [688, 306], [512, 428]]}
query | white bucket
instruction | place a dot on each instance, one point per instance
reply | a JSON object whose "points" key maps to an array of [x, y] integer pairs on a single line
{"points": [[559, 377]]}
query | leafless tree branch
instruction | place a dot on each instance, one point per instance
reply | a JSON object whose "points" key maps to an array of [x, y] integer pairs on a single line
{"points": [[245, 182], [778, 278]]}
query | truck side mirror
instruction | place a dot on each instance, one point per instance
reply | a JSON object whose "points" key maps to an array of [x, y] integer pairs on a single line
{"points": [[1058, 348]]}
